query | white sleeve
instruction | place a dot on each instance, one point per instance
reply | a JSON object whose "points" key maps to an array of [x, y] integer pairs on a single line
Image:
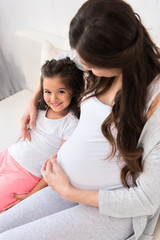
{"points": [[70, 127], [144, 199], [73, 56]]}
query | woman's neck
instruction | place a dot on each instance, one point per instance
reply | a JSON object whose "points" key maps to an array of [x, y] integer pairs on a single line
{"points": [[108, 97]]}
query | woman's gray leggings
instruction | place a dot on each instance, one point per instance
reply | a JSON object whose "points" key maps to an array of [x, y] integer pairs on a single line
{"points": [[47, 216]]}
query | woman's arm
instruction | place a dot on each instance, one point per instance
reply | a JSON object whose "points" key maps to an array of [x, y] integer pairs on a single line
{"points": [[141, 200], [28, 119], [144, 199], [82, 196]]}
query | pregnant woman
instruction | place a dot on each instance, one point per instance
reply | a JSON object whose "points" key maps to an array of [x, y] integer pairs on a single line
{"points": [[104, 182]]}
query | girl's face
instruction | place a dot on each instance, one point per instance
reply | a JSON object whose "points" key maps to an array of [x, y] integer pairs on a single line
{"points": [[101, 72], [56, 95]]}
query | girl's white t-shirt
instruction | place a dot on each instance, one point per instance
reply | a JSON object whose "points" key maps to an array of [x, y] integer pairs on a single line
{"points": [[46, 139]]}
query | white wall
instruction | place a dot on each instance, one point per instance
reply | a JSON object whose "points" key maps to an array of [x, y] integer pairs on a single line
{"points": [[51, 16], [149, 11], [46, 15]]}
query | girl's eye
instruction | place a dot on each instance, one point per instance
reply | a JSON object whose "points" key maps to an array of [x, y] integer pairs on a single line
{"points": [[46, 91], [61, 92]]}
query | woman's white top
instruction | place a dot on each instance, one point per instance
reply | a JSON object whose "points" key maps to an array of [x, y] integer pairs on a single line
{"points": [[84, 155], [46, 139]]}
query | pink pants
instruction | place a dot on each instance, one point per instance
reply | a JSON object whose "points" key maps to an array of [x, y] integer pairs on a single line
{"points": [[13, 179]]}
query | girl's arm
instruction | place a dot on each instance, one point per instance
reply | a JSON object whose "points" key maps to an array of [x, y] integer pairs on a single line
{"points": [[40, 185]]}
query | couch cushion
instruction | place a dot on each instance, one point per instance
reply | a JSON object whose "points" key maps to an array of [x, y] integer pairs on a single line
{"points": [[30, 43], [48, 51], [12, 109]]}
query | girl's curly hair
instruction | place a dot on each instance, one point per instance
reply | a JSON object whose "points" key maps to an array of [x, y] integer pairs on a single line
{"points": [[71, 77]]}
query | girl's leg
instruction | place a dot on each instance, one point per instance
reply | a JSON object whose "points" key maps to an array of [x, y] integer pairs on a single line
{"points": [[77, 223], [39, 205]]}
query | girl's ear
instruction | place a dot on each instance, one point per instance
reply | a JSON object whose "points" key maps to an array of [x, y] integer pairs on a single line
{"points": [[72, 93]]}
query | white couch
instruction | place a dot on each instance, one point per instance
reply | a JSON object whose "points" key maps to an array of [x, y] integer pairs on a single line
{"points": [[34, 48]]}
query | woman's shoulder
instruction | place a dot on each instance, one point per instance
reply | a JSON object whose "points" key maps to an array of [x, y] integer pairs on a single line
{"points": [[153, 97], [153, 107], [88, 95]]}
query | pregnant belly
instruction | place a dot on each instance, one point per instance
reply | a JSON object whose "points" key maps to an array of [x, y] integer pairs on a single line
{"points": [[87, 166]]}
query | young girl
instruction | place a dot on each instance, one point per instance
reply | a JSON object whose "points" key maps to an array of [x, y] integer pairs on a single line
{"points": [[57, 117], [111, 163]]}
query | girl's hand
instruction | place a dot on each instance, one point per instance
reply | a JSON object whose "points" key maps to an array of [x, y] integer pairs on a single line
{"points": [[57, 180], [28, 121], [19, 198]]}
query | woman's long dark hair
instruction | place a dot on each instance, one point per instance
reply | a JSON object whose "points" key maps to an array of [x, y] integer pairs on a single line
{"points": [[108, 34], [70, 76]]}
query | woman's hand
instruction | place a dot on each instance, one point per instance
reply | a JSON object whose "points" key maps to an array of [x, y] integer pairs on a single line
{"points": [[28, 121], [59, 181], [56, 179], [29, 118]]}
